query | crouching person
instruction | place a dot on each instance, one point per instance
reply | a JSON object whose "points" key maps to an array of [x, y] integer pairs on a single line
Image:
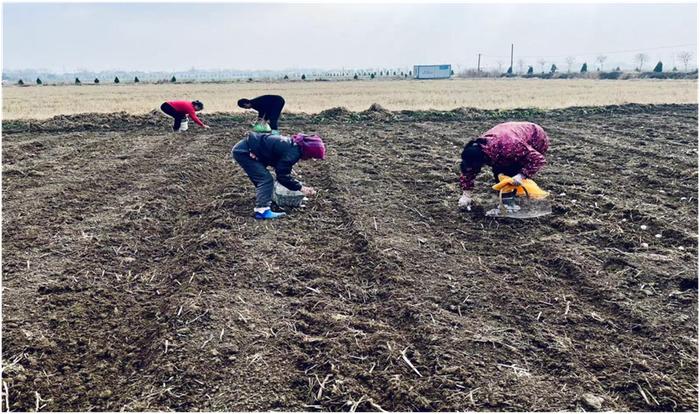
{"points": [[259, 151], [180, 110], [515, 149]]}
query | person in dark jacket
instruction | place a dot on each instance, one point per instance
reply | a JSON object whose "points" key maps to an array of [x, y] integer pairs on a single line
{"points": [[515, 149], [259, 151], [269, 108], [181, 110]]}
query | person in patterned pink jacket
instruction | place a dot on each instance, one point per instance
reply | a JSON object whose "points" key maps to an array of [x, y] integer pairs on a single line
{"points": [[515, 149]]}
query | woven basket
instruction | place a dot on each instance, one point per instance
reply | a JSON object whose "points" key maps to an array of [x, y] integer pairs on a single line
{"points": [[284, 197]]}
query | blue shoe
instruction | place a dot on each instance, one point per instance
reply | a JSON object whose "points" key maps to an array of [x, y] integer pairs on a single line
{"points": [[269, 215]]}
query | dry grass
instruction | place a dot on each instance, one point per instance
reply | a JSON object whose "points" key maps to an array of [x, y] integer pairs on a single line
{"points": [[310, 97]]}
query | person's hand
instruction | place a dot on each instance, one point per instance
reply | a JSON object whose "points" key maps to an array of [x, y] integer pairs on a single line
{"points": [[206, 127], [465, 201], [518, 179], [308, 191]]}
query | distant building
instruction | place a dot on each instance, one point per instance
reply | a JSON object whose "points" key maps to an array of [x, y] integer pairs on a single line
{"points": [[432, 71]]}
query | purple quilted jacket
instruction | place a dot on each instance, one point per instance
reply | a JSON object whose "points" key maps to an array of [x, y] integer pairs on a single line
{"points": [[521, 144]]}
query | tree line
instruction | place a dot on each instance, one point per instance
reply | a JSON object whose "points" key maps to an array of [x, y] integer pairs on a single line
{"points": [[354, 75], [96, 81], [640, 61]]}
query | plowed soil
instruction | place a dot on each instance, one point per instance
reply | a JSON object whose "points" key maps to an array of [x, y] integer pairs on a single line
{"points": [[135, 277]]}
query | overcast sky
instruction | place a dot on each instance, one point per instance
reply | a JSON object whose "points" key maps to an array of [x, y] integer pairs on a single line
{"points": [[151, 37]]}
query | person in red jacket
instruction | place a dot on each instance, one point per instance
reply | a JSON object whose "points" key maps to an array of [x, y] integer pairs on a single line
{"points": [[515, 149], [181, 110]]}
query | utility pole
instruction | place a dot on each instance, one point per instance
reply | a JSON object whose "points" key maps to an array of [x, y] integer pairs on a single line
{"points": [[511, 56], [478, 64]]}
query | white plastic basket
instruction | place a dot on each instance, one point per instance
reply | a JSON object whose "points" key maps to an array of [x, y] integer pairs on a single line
{"points": [[183, 125], [284, 197]]}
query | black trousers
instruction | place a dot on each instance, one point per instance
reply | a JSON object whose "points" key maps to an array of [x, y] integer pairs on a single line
{"points": [[272, 113], [257, 172], [169, 110]]}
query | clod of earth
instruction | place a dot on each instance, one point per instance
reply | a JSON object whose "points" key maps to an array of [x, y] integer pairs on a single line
{"points": [[592, 401]]}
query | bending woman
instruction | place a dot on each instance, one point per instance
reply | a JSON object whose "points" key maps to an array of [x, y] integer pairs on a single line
{"points": [[269, 108], [515, 149], [259, 151], [181, 109]]}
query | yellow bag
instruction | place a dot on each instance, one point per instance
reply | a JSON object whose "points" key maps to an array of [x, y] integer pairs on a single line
{"points": [[528, 188]]}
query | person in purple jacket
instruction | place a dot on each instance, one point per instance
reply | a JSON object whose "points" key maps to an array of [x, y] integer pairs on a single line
{"points": [[515, 149], [258, 151]]}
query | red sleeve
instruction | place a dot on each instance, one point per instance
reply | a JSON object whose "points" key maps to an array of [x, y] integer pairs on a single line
{"points": [[466, 179], [193, 115]]}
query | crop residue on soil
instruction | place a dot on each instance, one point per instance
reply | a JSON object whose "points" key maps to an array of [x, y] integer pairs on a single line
{"points": [[135, 278]]}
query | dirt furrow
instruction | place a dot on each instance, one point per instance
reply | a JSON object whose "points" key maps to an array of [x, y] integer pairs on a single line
{"points": [[136, 278]]}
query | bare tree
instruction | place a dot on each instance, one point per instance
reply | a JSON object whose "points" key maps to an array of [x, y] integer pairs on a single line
{"points": [[601, 59], [541, 62], [570, 62], [640, 58], [521, 63], [685, 58]]}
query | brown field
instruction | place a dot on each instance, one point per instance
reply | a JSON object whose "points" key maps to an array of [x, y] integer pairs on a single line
{"points": [[312, 97], [134, 277]]}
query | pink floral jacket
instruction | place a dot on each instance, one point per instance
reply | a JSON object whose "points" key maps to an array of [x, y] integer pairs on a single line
{"points": [[521, 144]]}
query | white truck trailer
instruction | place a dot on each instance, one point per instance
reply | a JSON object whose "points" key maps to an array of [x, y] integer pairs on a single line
{"points": [[432, 71]]}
